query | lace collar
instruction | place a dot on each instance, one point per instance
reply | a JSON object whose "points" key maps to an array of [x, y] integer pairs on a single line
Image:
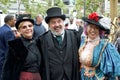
{"points": [[93, 40]]}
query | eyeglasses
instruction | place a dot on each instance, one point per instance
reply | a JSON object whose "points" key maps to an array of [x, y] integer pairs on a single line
{"points": [[24, 27]]}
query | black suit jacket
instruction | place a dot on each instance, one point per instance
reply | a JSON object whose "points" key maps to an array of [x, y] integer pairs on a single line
{"points": [[54, 67]]}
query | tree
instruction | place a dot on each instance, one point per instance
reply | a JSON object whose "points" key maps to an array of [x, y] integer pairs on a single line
{"points": [[60, 4], [4, 5], [5, 2], [34, 8], [90, 6]]}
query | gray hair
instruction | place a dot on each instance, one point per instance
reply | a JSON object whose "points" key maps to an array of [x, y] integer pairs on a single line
{"points": [[8, 18], [39, 15]]}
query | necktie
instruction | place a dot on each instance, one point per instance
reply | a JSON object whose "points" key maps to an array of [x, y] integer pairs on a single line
{"points": [[59, 39]]}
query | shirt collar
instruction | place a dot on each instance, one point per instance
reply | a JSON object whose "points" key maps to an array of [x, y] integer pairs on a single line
{"points": [[62, 34]]}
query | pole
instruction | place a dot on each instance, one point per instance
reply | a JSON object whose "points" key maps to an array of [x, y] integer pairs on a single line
{"points": [[52, 3], [84, 8], [18, 6], [113, 15], [113, 9]]}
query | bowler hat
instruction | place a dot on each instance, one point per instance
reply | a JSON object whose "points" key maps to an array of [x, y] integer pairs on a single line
{"points": [[54, 12], [93, 18], [23, 19]]}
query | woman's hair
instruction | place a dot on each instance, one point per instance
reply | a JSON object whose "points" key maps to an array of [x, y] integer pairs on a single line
{"points": [[85, 30], [21, 24]]}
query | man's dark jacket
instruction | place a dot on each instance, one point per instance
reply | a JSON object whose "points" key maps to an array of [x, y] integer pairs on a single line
{"points": [[6, 34], [56, 61]]}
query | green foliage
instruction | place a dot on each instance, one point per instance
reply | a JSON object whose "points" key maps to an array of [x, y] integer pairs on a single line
{"points": [[4, 5], [90, 6], [60, 4], [35, 8], [5, 2], [4, 11]]}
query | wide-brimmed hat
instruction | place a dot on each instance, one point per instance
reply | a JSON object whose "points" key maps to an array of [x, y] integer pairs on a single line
{"points": [[54, 12], [102, 22], [23, 19]]}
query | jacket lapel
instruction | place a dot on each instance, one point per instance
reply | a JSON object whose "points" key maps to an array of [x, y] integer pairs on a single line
{"points": [[51, 45], [68, 46]]}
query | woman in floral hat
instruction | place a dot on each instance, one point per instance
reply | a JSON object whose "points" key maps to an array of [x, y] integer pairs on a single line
{"points": [[99, 59]]}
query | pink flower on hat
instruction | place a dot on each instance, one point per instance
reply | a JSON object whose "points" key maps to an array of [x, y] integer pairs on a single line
{"points": [[93, 16]]}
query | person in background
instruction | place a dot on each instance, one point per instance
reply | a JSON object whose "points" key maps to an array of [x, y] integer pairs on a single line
{"points": [[99, 59], [16, 33], [79, 23], [23, 59], [117, 32], [72, 24], [118, 21], [66, 25], [59, 49], [117, 41], [6, 34], [117, 36], [79, 26], [117, 45], [66, 22], [39, 28]]}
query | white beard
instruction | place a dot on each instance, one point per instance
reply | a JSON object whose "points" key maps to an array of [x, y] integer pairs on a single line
{"points": [[55, 33]]}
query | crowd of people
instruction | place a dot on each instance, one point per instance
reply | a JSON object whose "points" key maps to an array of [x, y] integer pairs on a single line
{"points": [[67, 50]]}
